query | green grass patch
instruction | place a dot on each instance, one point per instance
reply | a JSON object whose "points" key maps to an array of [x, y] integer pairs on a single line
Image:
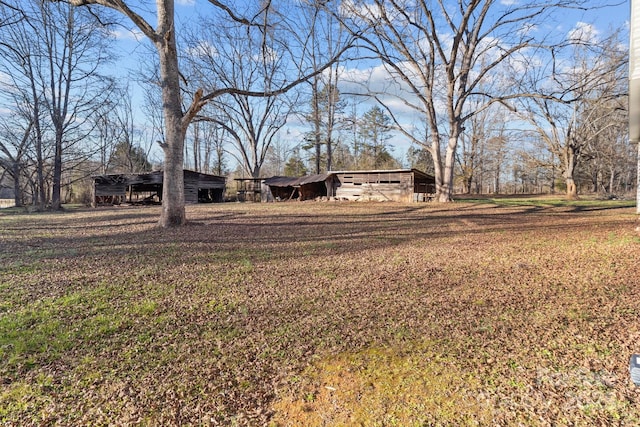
{"points": [[43, 331], [413, 385], [554, 202]]}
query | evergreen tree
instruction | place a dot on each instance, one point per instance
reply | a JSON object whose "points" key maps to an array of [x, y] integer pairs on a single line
{"points": [[295, 166], [375, 131], [129, 158]]}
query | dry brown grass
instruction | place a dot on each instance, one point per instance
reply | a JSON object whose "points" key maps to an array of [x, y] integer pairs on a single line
{"points": [[321, 314]]}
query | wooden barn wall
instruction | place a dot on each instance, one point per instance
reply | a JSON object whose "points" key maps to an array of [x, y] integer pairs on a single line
{"points": [[190, 191], [149, 179], [152, 182], [205, 182], [102, 190], [383, 186], [195, 182]]}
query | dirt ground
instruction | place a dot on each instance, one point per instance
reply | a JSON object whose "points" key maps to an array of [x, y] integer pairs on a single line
{"points": [[326, 313]]}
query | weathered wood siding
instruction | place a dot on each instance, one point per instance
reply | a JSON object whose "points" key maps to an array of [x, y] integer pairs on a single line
{"points": [[197, 186], [384, 186], [110, 190], [7, 203]]}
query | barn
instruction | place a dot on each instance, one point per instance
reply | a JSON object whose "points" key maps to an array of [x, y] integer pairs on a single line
{"points": [[147, 188], [400, 185]]}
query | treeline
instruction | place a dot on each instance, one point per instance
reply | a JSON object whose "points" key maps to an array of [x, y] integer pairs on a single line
{"points": [[488, 97]]}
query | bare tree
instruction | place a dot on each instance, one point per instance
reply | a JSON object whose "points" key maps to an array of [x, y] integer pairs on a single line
{"points": [[327, 36], [52, 56], [235, 56], [482, 149], [472, 145], [214, 159], [578, 100], [75, 46], [11, 15], [609, 164], [277, 156], [440, 56], [22, 57], [176, 118], [13, 148]]}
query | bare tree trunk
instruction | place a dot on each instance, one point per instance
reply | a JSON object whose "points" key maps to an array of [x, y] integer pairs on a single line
{"points": [[437, 164], [17, 191], [59, 103], [316, 120], [612, 174], [638, 181], [56, 201], [570, 166], [446, 189], [196, 147], [173, 212], [40, 197]]}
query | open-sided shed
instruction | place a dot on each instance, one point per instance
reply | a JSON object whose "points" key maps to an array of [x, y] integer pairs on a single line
{"points": [[304, 188], [249, 189], [119, 188]]}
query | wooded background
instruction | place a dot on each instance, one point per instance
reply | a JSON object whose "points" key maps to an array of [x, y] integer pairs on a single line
{"points": [[487, 97]]}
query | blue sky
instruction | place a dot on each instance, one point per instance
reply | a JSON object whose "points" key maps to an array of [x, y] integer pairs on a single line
{"points": [[596, 20]]}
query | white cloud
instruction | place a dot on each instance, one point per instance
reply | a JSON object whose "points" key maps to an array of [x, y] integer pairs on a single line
{"points": [[134, 34], [375, 11], [583, 33], [352, 9], [5, 78], [389, 89], [528, 28], [203, 49]]}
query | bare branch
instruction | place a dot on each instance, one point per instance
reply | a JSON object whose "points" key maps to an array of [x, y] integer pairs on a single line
{"points": [[122, 7]]}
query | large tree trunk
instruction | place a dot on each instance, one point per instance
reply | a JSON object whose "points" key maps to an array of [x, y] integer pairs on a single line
{"points": [[316, 122], [446, 192], [329, 152], [572, 191], [437, 161], [570, 166], [40, 197], [173, 212]]}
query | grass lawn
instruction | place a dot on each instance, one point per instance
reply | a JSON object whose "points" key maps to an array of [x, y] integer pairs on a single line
{"points": [[482, 312]]}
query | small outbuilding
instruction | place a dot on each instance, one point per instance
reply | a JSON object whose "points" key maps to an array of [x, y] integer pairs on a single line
{"points": [[303, 188], [147, 188], [401, 185]]}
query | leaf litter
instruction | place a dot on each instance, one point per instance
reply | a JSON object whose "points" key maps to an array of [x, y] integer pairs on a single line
{"points": [[320, 314]]}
